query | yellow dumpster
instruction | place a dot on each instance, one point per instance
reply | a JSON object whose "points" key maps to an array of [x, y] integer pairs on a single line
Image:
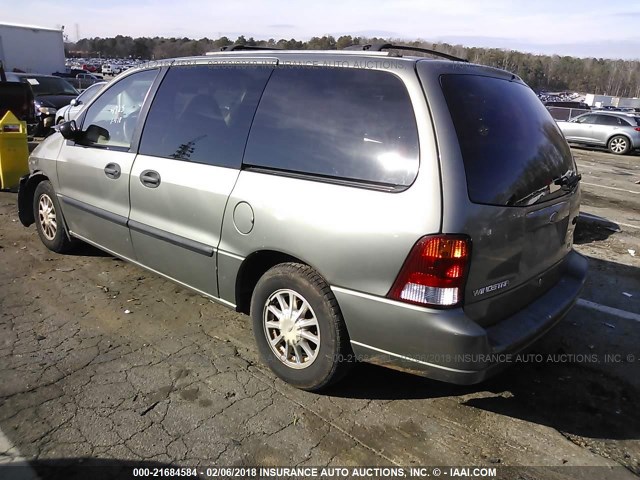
{"points": [[14, 151]]}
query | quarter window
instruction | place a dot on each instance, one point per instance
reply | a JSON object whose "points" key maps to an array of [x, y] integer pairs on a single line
{"points": [[608, 120], [203, 113], [338, 123], [112, 118]]}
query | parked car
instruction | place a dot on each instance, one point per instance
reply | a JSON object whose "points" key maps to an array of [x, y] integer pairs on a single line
{"points": [[70, 73], [417, 213], [69, 112], [17, 98], [89, 76], [111, 69], [568, 104], [50, 93], [617, 131]]}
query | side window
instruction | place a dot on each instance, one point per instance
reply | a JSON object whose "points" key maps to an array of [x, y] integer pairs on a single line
{"points": [[622, 122], [336, 122], [112, 118], [203, 113], [606, 120], [587, 119]]}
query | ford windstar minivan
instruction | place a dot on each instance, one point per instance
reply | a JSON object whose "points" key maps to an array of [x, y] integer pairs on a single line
{"points": [[361, 204]]}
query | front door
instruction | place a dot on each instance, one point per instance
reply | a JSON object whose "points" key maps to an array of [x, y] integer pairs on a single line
{"points": [[93, 172]]}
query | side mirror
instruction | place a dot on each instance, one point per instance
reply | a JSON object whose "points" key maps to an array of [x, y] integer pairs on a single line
{"points": [[75, 102], [69, 130], [95, 133]]}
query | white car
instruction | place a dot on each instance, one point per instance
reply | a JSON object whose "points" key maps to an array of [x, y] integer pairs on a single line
{"points": [[71, 111]]}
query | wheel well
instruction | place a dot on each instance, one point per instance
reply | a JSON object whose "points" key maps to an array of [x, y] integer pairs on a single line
{"points": [[253, 267], [25, 201], [620, 135]]}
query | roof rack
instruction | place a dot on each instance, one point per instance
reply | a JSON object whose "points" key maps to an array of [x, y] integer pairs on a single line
{"points": [[237, 47], [377, 47]]}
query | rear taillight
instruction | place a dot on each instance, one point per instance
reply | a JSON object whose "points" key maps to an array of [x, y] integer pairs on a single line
{"points": [[435, 272], [637, 129]]}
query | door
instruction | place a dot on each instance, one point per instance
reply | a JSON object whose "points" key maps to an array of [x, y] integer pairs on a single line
{"points": [[580, 130], [189, 159], [93, 172], [602, 128]]}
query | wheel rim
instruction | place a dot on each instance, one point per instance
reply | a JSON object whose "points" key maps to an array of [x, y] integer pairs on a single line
{"points": [[618, 145], [291, 329], [47, 217]]}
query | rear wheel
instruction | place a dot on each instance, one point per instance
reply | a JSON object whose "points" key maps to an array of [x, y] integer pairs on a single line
{"points": [[298, 327], [46, 212], [619, 145]]}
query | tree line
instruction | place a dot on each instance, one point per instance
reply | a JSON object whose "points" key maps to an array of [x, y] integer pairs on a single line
{"points": [[542, 72]]}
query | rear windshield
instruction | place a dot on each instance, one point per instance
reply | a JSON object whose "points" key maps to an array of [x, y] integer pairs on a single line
{"points": [[513, 151]]}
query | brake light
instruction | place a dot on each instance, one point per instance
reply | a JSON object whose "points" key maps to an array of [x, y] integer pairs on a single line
{"points": [[435, 272], [637, 129]]}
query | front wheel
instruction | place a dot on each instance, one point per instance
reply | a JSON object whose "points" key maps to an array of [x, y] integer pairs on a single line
{"points": [[298, 327], [46, 211], [619, 145]]}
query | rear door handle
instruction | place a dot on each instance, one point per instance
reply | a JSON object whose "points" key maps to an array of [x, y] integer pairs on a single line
{"points": [[112, 170], [150, 178]]}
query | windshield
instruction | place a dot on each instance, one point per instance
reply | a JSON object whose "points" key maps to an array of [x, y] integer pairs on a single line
{"points": [[49, 85], [90, 92], [514, 153]]}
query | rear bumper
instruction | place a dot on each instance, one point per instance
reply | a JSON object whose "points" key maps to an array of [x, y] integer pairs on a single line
{"points": [[445, 344]]}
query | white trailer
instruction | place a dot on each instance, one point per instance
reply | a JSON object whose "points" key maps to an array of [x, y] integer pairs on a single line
{"points": [[31, 49]]}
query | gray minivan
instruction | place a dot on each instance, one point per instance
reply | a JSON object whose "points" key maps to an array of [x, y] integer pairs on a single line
{"points": [[360, 205]]}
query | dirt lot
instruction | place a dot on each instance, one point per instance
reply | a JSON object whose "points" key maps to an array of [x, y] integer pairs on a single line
{"points": [[101, 359]]}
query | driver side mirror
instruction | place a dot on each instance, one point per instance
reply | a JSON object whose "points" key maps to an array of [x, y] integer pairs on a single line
{"points": [[69, 130], [75, 102]]}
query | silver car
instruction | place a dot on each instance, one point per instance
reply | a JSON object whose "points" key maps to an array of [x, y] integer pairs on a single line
{"points": [[617, 131], [71, 111], [405, 211]]}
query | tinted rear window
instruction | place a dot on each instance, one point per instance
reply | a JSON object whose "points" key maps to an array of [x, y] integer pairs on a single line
{"points": [[339, 123], [511, 146]]}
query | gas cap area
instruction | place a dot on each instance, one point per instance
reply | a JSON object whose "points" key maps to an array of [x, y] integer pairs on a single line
{"points": [[243, 218]]}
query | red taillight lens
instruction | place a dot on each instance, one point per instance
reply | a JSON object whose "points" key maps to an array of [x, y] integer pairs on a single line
{"points": [[637, 129], [434, 273]]}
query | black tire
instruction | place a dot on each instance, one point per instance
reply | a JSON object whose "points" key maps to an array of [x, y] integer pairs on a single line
{"points": [[57, 242], [619, 141], [334, 355], [60, 121]]}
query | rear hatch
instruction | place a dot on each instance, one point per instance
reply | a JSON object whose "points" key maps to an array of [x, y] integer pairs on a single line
{"points": [[522, 194]]}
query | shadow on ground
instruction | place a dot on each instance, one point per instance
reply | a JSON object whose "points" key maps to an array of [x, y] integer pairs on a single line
{"points": [[588, 231], [563, 386]]}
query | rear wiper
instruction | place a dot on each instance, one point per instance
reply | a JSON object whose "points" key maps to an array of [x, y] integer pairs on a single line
{"points": [[568, 181]]}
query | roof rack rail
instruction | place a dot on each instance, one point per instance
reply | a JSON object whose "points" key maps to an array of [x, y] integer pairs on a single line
{"points": [[237, 47], [377, 47]]}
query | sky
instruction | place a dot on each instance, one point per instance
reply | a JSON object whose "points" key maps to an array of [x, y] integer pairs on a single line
{"points": [[584, 28]]}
